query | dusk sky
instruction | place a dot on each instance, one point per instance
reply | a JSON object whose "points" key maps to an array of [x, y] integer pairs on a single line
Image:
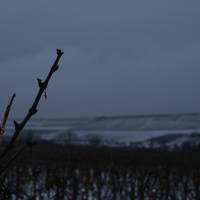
{"points": [[121, 57]]}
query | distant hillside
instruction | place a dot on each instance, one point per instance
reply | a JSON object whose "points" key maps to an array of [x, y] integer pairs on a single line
{"points": [[142, 130], [171, 141]]}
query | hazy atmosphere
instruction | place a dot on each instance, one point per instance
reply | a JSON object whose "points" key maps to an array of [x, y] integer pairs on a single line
{"points": [[121, 57]]}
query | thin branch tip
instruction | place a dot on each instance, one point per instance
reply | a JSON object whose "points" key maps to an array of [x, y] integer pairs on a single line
{"points": [[12, 98], [60, 52], [7, 111]]}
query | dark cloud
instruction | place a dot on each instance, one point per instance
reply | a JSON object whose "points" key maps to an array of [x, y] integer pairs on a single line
{"points": [[121, 57]]}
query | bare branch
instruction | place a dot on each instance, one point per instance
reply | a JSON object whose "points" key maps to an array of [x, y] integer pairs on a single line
{"points": [[33, 108], [6, 114]]}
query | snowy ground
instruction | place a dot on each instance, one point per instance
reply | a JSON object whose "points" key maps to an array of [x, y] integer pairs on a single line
{"points": [[121, 129]]}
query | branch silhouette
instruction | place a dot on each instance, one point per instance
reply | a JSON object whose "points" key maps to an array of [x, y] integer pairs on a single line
{"points": [[33, 109], [7, 111]]}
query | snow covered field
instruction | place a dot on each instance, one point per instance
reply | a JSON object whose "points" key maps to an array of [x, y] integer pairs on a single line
{"points": [[124, 129]]}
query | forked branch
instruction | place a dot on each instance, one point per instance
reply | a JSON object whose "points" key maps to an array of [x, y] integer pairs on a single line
{"points": [[33, 109]]}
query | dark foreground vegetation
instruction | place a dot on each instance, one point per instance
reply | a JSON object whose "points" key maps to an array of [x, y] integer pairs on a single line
{"points": [[51, 171]]}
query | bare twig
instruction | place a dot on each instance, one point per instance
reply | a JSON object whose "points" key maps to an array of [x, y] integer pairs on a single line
{"points": [[33, 109], [7, 111]]}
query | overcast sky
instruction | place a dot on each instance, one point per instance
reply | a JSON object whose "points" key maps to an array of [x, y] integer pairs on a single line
{"points": [[121, 57]]}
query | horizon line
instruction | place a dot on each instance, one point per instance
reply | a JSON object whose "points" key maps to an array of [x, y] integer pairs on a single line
{"points": [[116, 116]]}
